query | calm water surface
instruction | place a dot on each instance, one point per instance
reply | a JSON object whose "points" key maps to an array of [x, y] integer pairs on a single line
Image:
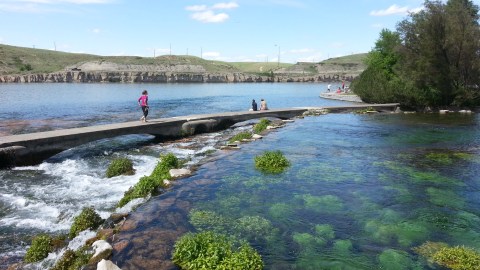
{"points": [[361, 192]]}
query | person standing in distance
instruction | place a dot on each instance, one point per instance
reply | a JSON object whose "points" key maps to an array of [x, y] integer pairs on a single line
{"points": [[143, 102]]}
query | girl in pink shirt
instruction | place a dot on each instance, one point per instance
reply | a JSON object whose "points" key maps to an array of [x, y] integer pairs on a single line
{"points": [[143, 102]]}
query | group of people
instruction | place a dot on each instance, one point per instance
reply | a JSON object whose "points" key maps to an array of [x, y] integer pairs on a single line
{"points": [[339, 90], [263, 105], [143, 103]]}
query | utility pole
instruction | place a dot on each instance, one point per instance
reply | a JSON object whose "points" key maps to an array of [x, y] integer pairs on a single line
{"points": [[201, 52], [170, 49], [154, 53], [187, 51], [55, 45]]}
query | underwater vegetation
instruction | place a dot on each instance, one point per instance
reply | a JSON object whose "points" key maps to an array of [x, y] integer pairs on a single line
{"points": [[149, 184], [322, 204], [397, 260], [271, 162], [87, 219], [208, 250], [120, 166]]}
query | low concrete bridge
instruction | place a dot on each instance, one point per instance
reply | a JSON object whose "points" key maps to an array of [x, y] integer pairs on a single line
{"points": [[27, 149]]}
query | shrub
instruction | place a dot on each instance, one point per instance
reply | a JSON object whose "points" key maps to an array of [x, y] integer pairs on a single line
{"points": [[120, 166], [271, 162], [149, 184], [458, 258], [208, 250], [261, 126], [240, 136], [41, 246], [88, 219]]}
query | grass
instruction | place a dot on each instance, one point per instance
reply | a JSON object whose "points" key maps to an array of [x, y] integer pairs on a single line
{"points": [[21, 60]]}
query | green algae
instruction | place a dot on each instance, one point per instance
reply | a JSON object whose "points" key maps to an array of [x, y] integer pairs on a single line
{"points": [[397, 260], [342, 248], [444, 198], [254, 227], [281, 211], [324, 231], [209, 221], [323, 204], [404, 233]]}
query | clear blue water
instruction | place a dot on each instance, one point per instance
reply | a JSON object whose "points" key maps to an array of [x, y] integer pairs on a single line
{"points": [[362, 189]]}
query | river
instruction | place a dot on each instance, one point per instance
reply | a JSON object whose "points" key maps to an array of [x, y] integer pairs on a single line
{"points": [[362, 191]]}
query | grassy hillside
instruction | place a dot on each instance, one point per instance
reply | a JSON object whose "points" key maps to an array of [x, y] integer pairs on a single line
{"points": [[20, 60]]}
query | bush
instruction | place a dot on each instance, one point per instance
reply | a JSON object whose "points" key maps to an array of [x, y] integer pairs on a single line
{"points": [[120, 166], [88, 219], [261, 126], [41, 246], [240, 136], [149, 184], [271, 162], [208, 250], [458, 258]]}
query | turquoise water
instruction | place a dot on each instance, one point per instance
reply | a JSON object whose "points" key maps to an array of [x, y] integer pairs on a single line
{"points": [[362, 191]]}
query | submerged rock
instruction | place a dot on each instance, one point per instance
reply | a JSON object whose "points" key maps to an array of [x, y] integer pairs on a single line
{"points": [[175, 173], [107, 265]]}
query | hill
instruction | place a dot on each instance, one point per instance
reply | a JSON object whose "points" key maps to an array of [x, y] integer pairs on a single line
{"points": [[20, 60]]}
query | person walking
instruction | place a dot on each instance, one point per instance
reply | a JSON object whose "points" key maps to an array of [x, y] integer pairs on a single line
{"points": [[254, 105], [143, 102], [263, 105]]}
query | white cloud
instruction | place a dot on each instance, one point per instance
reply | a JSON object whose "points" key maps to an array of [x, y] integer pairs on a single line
{"points": [[196, 8], [230, 5], [211, 54], [210, 17], [96, 31], [394, 10], [206, 14]]}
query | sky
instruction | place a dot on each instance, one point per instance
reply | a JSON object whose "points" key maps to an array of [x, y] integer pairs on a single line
{"points": [[234, 31]]}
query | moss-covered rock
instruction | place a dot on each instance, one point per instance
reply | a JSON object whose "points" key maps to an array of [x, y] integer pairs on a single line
{"points": [[272, 162], [241, 136], [261, 126], [39, 249], [88, 219], [72, 260], [120, 166], [148, 185]]}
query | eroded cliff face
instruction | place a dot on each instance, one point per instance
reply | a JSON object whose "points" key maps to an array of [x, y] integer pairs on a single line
{"points": [[160, 77]]}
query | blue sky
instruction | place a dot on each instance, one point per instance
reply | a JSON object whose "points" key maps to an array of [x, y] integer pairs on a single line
{"points": [[233, 31]]}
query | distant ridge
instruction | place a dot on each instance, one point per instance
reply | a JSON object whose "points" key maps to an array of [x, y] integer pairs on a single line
{"points": [[26, 61]]}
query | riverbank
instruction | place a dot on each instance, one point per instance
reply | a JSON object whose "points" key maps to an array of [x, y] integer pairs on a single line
{"points": [[341, 96]]}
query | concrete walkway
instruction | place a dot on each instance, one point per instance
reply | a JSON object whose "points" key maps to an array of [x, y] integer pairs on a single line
{"points": [[27, 149]]}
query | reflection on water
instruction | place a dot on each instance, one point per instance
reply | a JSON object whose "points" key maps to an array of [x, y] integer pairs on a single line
{"points": [[362, 191]]}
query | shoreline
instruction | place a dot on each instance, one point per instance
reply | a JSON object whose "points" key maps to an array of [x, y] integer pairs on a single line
{"points": [[341, 96]]}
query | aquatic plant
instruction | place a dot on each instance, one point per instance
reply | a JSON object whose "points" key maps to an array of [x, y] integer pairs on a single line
{"points": [[261, 125], [396, 260], [445, 198], [458, 258], [281, 210], [253, 227], [120, 166], [72, 260], [271, 162], [343, 247], [208, 250], [324, 231], [323, 204], [209, 221], [306, 241], [87, 219], [443, 158], [365, 110], [147, 185], [241, 136], [405, 232], [428, 249], [39, 249]]}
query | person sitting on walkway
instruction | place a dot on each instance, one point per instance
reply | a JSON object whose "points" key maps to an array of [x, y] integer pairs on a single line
{"points": [[263, 105]]}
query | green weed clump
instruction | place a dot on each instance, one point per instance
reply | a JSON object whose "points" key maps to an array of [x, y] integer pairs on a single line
{"points": [[149, 184], [458, 258], [72, 260], [120, 166], [261, 126], [88, 219], [241, 136], [271, 162], [208, 250], [39, 249]]}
